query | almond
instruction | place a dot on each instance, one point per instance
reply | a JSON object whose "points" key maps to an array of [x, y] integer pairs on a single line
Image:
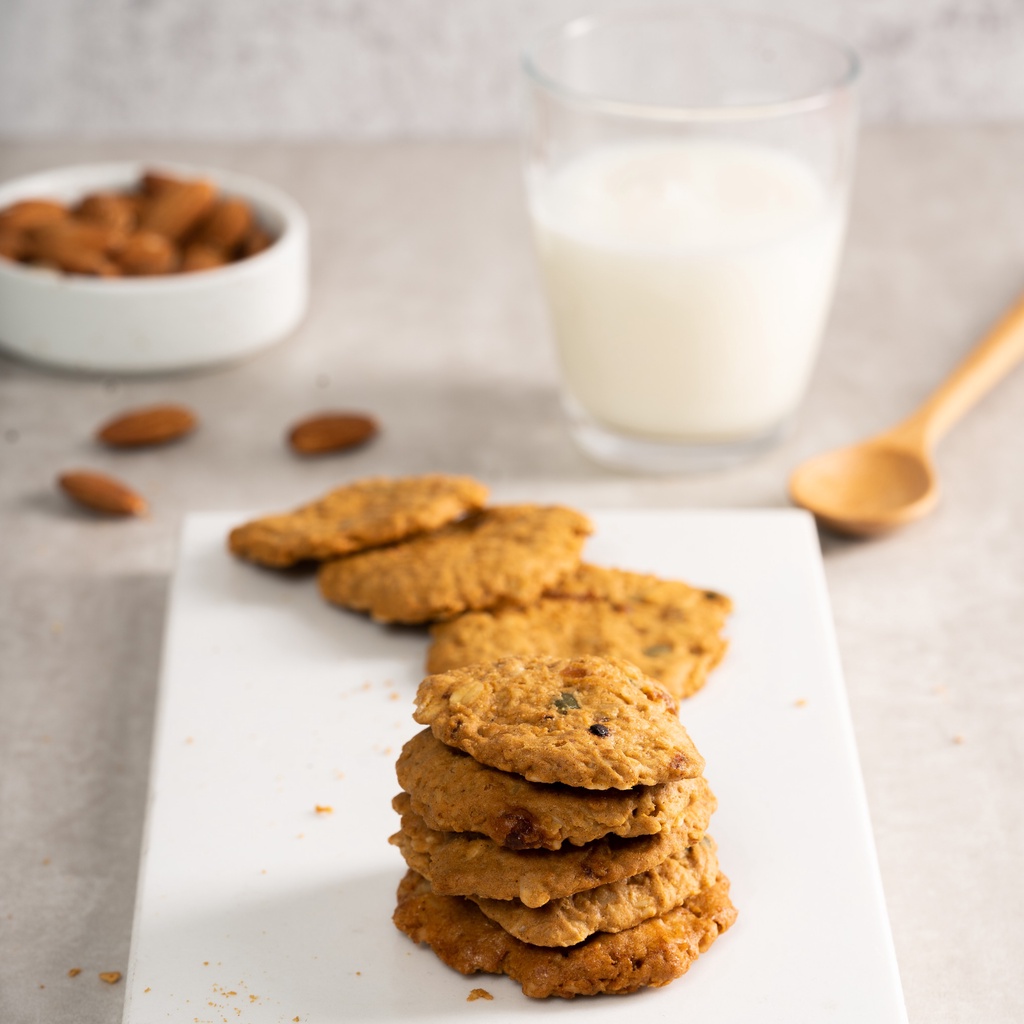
{"points": [[226, 226], [102, 493], [201, 257], [255, 242], [174, 212], [111, 209], [331, 432], [155, 424], [13, 244], [146, 253], [156, 182], [75, 246], [32, 213]]}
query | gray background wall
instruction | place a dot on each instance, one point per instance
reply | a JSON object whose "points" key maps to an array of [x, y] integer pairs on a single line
{"points": [[238, 69]]}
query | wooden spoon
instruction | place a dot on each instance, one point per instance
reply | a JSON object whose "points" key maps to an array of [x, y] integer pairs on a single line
{"points": [[889, 480]]}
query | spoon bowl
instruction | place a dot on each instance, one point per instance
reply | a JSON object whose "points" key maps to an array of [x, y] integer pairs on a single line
{"points": [[867, 489]]}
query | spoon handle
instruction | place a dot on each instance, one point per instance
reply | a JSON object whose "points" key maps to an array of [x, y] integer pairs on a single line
{"points": [[990, 360]]}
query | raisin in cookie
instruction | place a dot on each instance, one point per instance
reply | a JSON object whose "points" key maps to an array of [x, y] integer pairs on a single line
{"points": [[364, 514], [596, 723]]}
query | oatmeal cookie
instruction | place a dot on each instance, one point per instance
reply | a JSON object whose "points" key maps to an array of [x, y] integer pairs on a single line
{"points": [[452, 792], [508, 552], [671, 631], [466, 863], [597, 723], [364, 514], [653, 953], [608, 908]]}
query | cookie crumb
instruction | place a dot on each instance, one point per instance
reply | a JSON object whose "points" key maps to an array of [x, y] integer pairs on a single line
{"points": [[478, 993], [74, 972], [800, 702], [958, 739], [324, 809], [147, 989], [110, 977]]}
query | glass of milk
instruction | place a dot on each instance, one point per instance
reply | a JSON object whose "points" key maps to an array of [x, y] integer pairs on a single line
{"points": [[687, 174]]}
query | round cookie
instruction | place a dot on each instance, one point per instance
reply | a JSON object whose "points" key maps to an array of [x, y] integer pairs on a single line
{"points": [[668, 629], [651, 954], [364, 514], [466, 863], [613, 907], [508, 552], [452, 792], [596, 723]]}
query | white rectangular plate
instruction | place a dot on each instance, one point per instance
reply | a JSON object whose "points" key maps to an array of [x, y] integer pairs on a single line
{"points": [[255, 907]]}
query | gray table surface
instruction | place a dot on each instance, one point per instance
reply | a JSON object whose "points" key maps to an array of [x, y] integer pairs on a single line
{"points": [[426, 312]]}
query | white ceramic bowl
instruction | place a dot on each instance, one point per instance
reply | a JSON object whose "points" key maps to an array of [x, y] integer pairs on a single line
{"points": [[148, 324]]}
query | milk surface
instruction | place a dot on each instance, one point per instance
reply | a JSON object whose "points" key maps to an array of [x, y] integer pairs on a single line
{"points": [[688, 284]]}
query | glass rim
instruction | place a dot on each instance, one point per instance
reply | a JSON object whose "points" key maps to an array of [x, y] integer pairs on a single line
{"points": [[583, 24]]}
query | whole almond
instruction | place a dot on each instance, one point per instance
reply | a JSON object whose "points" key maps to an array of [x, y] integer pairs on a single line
{"points": [[201, 257], [331, 432], [155, 424], [146, 253], [156, 182], [102, 493], [175, 212], [254, 242], [31, 213], [13, 243], [75, 246], [111, 209], [226, 225]]}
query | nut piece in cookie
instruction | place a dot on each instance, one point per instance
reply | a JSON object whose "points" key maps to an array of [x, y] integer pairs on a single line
{"points": [[653, 953], [452, 792], [466, 863], [506, 553], [364, 514], [671, 631], [596, 723]]}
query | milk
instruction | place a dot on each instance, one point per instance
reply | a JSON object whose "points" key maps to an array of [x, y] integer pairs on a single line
{"points": [[688, 284]]}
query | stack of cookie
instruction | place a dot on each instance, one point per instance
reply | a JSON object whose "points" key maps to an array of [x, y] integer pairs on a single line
{"points": [[494, 582], [553, 821]]}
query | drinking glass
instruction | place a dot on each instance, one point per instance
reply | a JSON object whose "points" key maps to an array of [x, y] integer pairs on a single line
{"points": [[687, 173]]}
